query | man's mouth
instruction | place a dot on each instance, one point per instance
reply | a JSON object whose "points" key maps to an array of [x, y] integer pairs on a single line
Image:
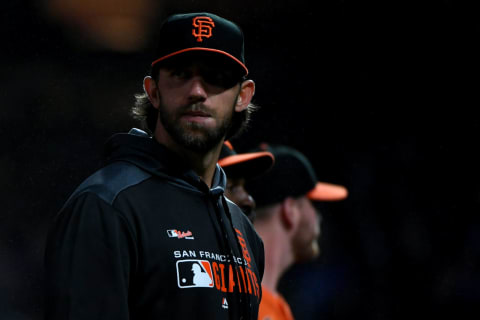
{"points": [[199, 117], [196, 114]]}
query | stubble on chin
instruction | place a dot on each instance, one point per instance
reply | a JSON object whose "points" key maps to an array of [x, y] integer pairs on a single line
{"points": [[305, 249], [193, 136]]}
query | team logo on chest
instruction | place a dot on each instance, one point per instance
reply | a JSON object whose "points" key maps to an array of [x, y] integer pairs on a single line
{"points": [[209, 269], [194, 273]]}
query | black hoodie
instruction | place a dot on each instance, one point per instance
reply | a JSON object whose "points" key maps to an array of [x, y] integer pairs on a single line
{"points": [[145, 238]]}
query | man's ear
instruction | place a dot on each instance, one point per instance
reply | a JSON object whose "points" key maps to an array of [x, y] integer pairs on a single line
{"points": [[247, 90], [151, 89], [290, 213]]}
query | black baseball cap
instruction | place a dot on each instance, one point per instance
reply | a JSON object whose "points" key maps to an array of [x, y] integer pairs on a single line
{"points": [[292, 175], [201, 31], [244, 165]]}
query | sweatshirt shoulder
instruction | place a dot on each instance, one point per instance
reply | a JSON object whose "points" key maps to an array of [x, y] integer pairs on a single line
{"points": [[108, 182], [241, 221]]}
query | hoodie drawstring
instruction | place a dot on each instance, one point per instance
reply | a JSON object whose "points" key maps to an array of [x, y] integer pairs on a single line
{"points": [[243, 306], [244, 303]]}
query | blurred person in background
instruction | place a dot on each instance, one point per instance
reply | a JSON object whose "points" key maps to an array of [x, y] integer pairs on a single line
{"points": [[287, 220], [239, 168], [151, 235]]}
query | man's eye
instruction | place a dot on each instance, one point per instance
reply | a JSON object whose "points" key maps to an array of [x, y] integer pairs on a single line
{"points": [[233, 188], [220, 79], [182, 74]]}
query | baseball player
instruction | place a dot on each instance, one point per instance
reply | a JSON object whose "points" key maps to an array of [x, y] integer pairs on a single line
{"points": [[151, 234], [287, 221], [239, 168]]}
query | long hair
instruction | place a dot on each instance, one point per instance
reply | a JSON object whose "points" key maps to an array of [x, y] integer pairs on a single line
{"points": [[144, 112]]}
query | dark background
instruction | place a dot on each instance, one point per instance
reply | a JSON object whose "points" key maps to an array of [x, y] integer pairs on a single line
{"points": [[382, 96]]}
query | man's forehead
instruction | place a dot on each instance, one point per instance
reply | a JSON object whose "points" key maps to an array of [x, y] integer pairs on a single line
{"points": [[200, 60]]}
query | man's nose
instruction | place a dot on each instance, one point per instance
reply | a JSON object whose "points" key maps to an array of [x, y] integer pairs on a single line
{"points": [[197, 89], [248, 201]]}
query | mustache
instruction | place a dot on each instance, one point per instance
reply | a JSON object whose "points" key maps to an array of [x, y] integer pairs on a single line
{"points": [[195, 107]]}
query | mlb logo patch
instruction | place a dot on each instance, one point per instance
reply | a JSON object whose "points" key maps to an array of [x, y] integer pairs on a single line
{"points": [[172, 233], [194, 274]]}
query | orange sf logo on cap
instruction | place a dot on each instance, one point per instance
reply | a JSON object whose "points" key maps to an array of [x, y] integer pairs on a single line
{"points": [[203, 27]]}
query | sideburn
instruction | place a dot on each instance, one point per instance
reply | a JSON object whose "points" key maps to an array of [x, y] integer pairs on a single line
{"points": [[238, 119]]}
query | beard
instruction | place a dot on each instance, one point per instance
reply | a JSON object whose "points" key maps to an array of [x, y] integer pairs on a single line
{"points": [[306, 249], [194, 136], [305, 241]]}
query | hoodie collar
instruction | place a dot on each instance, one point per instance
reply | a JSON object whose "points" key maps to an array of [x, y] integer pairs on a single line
{"points": [[140, 149]]}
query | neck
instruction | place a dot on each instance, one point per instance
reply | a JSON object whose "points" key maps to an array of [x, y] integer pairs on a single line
{"points": [[278, 252], [202, 163]]}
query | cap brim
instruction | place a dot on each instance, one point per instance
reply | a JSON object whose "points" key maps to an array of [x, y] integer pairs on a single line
{"points": [[327, 192], [245, 70], [247, 165]]}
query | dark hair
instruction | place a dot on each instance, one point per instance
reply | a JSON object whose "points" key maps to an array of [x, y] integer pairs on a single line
{"points": [[147, 115], [144, 112]]}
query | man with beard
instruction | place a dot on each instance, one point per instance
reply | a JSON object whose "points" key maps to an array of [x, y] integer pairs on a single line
{"points": [[240, 167], [287, 220], [126, 241]]}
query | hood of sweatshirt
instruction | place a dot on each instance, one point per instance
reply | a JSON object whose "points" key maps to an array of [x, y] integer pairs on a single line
{"points": [[139, 148]]}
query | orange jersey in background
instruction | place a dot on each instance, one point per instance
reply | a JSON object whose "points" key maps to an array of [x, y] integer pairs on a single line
{"points": [[273, 307]]}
